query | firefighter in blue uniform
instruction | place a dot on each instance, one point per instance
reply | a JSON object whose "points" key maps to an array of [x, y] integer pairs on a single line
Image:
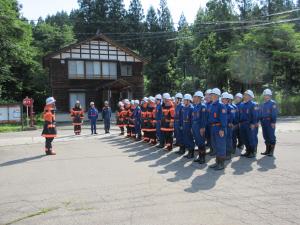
{"points": [[187, 112], [137, 120], [199, 120], [178, 115], [106, 116], [93, 117], [268, 122], [158, 115], [230, 119], [207, 102], [235, 124], [237, 141], [218, 126], [248, 122]]}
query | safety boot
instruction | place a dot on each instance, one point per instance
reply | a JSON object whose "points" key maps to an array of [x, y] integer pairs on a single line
{"points": [[251, 153], [215, 164], [190, 154], [220, 164], [267, 150], [181, 150], [271, 152]]}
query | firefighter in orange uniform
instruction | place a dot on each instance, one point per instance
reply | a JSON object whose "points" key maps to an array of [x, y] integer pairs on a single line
{"points": [[144, 108], [127, 117], [77, 116], [167, 123], [131, 119], [151, 126], [49, 131], [120, 115]]}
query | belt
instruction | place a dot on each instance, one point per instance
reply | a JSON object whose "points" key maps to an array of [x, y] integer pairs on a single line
{"points": [[215, 124], [266, 118], [187, 121]]}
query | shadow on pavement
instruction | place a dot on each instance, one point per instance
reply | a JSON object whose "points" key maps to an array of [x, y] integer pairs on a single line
{"points": [[183, 168], [205, 182], [266, 163], [18, 161]]}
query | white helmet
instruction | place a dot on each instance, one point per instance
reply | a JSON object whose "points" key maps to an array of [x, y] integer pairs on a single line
{"points": [[158, 96], [199, 94], [250, 93], [167, 96], [145, 99], [267, 92], [208, 91], [132, 102], [126, 101], [137, 102], [239, 95], [179, 95], [92, 103], [187, 97], [50, 101], [120, 104], [106, 102], [225, 95], [216, 91], [152, 99], [230, 96]]}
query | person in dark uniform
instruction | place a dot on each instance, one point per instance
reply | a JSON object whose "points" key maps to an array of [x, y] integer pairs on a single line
{"points": [[178, 118], [144, 120], [77, 116], [236, 132], [199, 119], [268, 122], [49, 131], [218, 127], [137, 120], [93, 117], [151, 125], [106, 116]]}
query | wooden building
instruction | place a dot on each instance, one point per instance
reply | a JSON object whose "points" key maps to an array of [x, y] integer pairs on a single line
{"points": [[96, 69]]}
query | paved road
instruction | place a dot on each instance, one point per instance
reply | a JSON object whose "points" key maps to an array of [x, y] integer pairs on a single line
{"points": [[106, 179]]}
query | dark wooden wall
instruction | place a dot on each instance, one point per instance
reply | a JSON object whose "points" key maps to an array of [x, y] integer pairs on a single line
{"points": [[61, 86]]}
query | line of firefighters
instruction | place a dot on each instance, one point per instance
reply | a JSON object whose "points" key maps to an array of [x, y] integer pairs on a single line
{"points": [[216, 121]]}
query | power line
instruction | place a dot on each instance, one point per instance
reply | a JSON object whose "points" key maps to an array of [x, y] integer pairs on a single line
{"points": [[240, 28]]}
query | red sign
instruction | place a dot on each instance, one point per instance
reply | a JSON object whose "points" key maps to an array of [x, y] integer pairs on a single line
{"points": [[27, 101]]}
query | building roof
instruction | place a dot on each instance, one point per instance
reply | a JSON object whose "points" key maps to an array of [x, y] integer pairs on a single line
{"points": [[67, 49]]}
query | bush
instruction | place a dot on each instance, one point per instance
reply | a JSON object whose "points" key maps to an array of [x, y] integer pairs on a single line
{"points": [[288, 105]]}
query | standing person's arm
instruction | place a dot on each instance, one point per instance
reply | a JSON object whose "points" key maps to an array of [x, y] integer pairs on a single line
{"points": [[110, 112], [223, 120]]}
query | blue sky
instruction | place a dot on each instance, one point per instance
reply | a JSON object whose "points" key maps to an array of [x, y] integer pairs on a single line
{"points": [[33, 9]]}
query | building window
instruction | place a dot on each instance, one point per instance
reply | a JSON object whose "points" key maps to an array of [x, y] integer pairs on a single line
{"points": [[126, 69], [109, 69], [77, 96], [76, 69], [93, 70]]}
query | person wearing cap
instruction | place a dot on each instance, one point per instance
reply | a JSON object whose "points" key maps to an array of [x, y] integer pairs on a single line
{"points": [[226, 97], [237, 140], [77, 116], [158, 115], [144, 120], [217, 118], [178, 121], [167, 123], [248, 122], [93, 117], [207, 102], [199, 120], [151, 121], [268, 122], [137, 120], [120, 117], [49, 131], [106, 116], [235, 123]]}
